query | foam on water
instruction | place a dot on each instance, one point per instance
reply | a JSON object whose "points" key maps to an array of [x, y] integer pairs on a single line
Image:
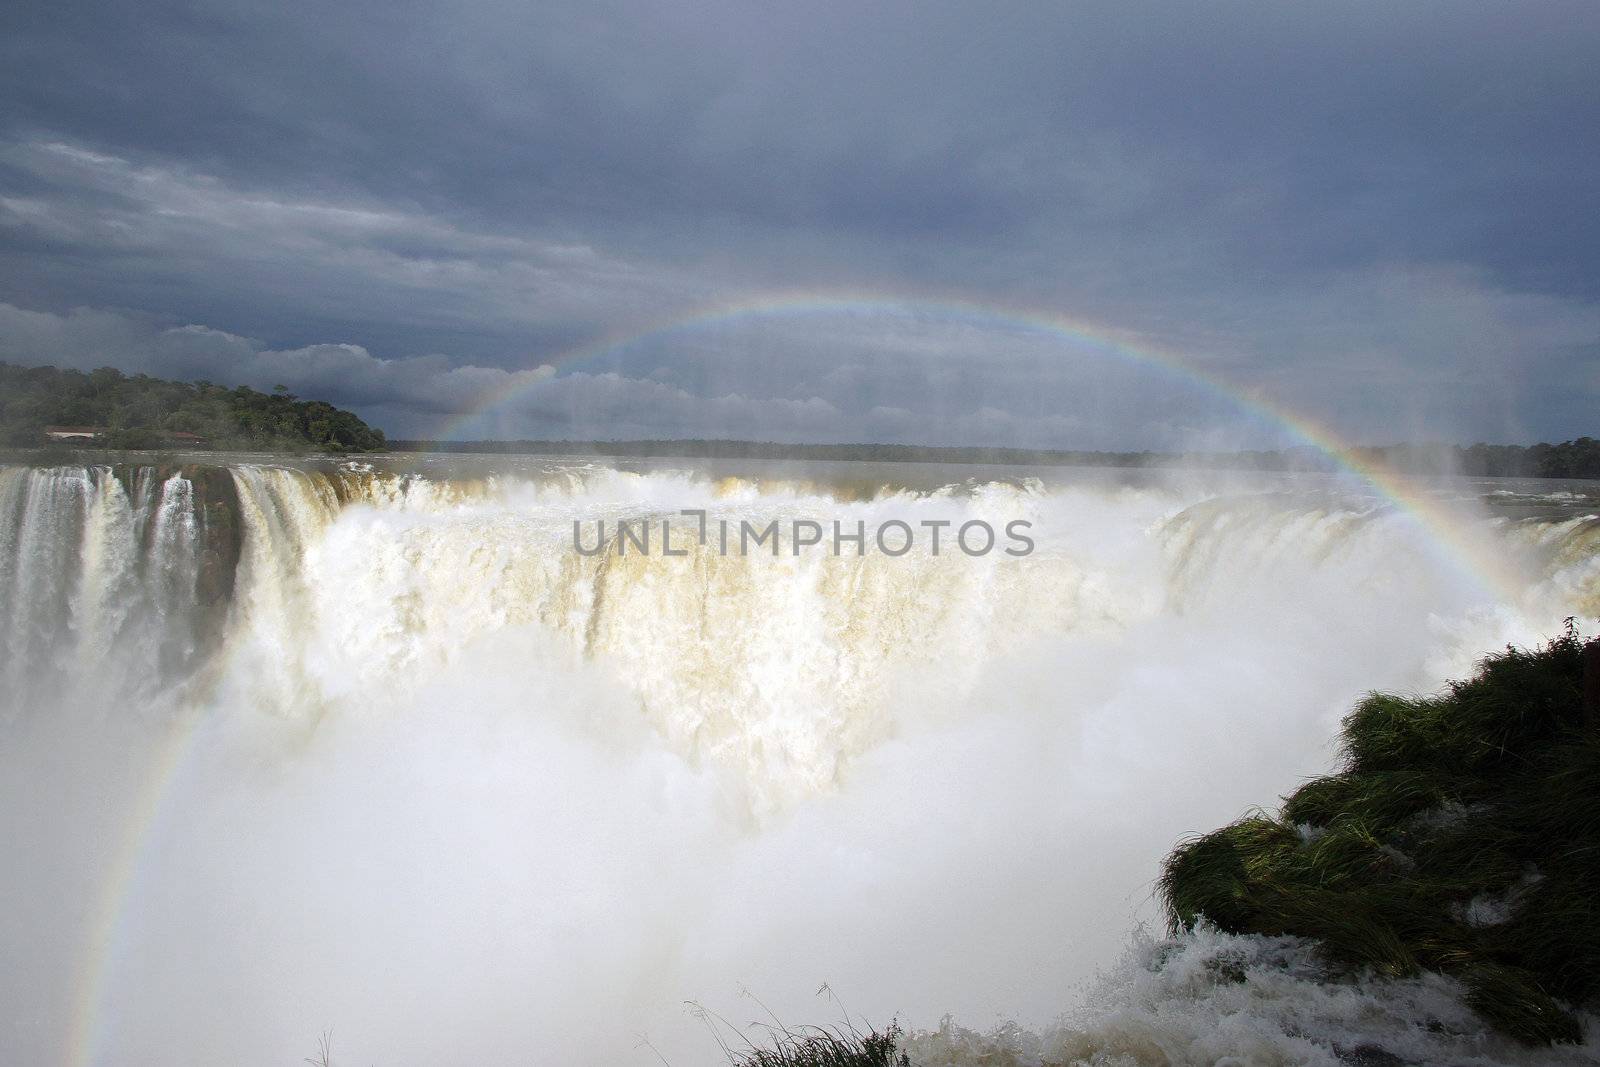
{"points": [[1213, 998], [466, 795]]}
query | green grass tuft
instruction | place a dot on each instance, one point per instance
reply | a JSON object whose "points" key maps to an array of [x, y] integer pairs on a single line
{"points": [[1462, 835], [841, 1047]]}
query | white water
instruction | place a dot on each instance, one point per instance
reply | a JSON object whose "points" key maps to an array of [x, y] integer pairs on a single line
{"points": [[98, 579], [443, 785]]}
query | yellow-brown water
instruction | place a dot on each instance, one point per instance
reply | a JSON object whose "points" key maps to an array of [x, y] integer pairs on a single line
{"points": [[419, 772]]}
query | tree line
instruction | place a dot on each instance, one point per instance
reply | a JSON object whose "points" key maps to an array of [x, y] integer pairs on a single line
{"points": [[139, 411], [1579, 458]]}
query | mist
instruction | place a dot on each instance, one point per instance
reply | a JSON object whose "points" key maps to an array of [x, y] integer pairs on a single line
{"points": [[454, 793]]}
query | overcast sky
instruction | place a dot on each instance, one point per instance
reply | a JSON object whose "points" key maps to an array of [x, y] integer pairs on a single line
{"points": [[1382, 216]]}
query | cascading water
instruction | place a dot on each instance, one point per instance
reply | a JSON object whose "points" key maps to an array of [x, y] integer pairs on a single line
{"points": [[335, 747], [99, 571]]}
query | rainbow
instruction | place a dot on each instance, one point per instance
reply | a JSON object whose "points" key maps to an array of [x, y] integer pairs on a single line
{"points": [[1442, 526], [154, 795], [1082, 333]]}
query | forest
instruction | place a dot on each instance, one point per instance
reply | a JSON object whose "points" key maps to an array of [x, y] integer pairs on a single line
{"points": [[1579, 458], [139, 411]]}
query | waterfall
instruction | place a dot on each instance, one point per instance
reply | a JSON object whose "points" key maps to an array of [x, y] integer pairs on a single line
{"points": [[383, 750], [350, 581], [98, 575]]}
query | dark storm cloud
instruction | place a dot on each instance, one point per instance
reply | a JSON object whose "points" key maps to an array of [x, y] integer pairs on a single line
{"points": [[1384, 215]]}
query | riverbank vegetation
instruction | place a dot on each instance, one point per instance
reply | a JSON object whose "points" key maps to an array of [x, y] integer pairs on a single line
{"points": [[841, 1047], [1461, 835], [1577, 459], [113, 410]]}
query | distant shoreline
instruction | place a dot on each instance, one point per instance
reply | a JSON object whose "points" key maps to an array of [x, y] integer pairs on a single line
{"points": [[1577, 460], [718, 448]]}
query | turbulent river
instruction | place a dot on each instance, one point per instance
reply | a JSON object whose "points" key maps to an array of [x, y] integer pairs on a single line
{"points": [[296, 747]]}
